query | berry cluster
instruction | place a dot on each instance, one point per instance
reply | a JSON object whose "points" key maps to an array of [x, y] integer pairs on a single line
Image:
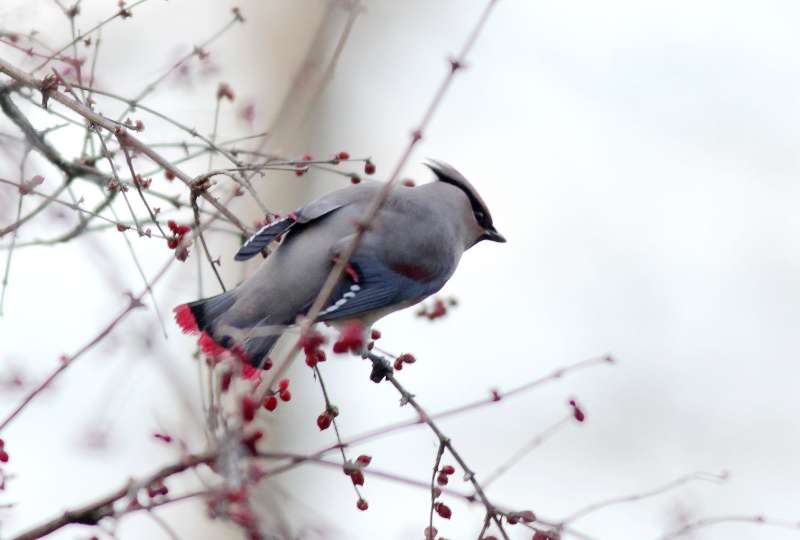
{"points": [[437, 310], [174, 242], [446, 471], [350, 339], [405, 358], [355, 470]]}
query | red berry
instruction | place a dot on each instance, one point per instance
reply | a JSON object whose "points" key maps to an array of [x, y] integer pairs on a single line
{"points": [[448, 470], [160, 436], [355, 179], [443, 510], [364, 460], [3, 456], [362, 504], [283, 384], [285, 395], [271, 403], [369, 168], [351, 339], [430, 533], [169, 175], [308, 157], [357, 477], [376, 334], [398, 364], [157, 488], [122, 228], [408, 182], [225, 380], [324, 421], [315, 357], [248, 408], [527, 516], [576, 411], [442, 479], [225, 91], [407, 358], [311, 341], [343, 155]]}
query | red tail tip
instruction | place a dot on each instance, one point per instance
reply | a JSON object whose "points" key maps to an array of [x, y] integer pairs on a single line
{"points": [[209, 346], [185, 319], [249, 372]]}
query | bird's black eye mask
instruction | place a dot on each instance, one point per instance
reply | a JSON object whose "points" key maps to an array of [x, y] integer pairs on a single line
{"points": [[481, 213]]}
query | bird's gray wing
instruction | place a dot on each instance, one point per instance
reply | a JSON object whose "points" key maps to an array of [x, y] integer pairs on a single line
{"points": [[307, 214], [372, 285], [272, 231]]}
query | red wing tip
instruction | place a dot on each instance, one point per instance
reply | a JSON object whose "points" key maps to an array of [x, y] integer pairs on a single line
{"points": [[185, 319]]}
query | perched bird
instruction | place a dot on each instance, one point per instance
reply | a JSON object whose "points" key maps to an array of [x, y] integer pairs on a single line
{"points": [[410, 251]]}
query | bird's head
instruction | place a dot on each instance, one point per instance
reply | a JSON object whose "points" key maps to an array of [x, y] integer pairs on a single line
{"points": [[447, 174]]}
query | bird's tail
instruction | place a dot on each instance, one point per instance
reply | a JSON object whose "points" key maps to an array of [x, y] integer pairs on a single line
{"points": [[199, 316], [203, 317]]}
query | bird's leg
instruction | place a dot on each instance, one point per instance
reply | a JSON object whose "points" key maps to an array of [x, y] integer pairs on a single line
{"points": [[381, 367]]}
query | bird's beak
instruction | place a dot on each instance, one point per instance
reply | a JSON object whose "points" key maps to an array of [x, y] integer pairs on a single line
{"points": [[494, 236]]}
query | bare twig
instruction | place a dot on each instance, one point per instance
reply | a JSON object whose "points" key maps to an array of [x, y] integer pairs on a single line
{"points": [[469, 475], [708, 522], [130, 139], [66, 361], [92, 513], [685, 479], [436, 463], [532, 444]]}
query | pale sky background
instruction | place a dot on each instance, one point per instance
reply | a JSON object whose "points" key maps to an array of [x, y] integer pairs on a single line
{"points": [[641, 159]]}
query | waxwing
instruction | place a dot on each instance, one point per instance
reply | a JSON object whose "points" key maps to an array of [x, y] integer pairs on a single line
{"points": [[409, 252]]}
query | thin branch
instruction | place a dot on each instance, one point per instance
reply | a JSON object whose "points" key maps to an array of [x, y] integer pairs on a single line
{"points": [[333, 411], [66, 361], [408, 397], [531, 445], [678, 482], [436, 463], [130, 139], [92, 513], [139, 190], [495, 397], [7, 271], [123, 11], [708, 522]]}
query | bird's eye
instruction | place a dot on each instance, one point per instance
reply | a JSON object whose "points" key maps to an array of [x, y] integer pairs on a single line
{"points": [[479, 215]]}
